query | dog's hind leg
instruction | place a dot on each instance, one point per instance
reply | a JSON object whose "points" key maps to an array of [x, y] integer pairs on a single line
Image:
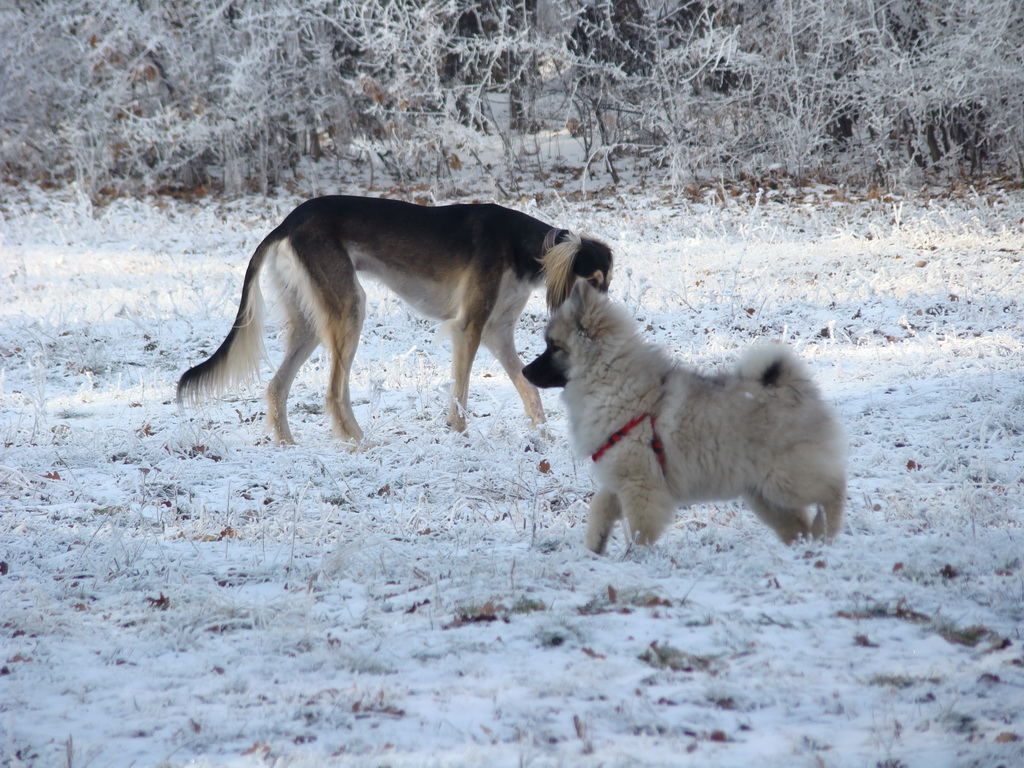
{"points": [[465, 343], [302, 340], [790, 523], [343, 339], [605, 509], [294, 291], [829, 519], [325, 304]]}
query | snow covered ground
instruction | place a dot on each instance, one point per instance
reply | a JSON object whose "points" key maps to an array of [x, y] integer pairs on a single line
{"points": [[175, 590]]}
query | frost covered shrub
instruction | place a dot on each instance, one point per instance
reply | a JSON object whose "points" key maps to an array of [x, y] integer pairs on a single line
{"points": [[886, 87], [872, 89], [233, 94]]}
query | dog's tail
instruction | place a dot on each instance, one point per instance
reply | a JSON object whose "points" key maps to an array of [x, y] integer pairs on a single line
{"points": [[237, 359], [560, 250], [567, 256], [775, 365]]}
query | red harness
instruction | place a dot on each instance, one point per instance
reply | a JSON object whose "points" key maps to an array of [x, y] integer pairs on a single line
{"points": [[656, 445]]}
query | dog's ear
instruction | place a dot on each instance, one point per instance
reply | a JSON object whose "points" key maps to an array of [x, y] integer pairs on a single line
{"points": [[582, 303], [583, 290], [587, 295], [575, 304]]}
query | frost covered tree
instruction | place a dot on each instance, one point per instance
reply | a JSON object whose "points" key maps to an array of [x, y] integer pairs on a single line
{"points": [[232, 95]]}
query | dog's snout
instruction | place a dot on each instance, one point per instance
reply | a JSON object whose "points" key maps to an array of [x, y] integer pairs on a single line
{"points": [[543, 373]]}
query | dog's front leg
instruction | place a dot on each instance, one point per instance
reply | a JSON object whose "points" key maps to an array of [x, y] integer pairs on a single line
{"points": [[605, 509], [648, 508], [499, 338], [502, 346], [465, 343]]}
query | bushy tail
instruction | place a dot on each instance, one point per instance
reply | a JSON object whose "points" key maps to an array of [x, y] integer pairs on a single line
{"points": [[558, 261], [237, 359], [567, 257], [775, 365]]}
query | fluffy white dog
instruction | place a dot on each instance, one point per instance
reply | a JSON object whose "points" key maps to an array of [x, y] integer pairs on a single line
{"points": [[662, 436]]}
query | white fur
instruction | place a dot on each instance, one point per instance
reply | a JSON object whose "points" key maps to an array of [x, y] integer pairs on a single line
{"points": [[762, 433], [292, 280], [242, 364]]}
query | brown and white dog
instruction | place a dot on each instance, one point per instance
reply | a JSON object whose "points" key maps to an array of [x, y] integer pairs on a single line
{"points": [[471, 265]]}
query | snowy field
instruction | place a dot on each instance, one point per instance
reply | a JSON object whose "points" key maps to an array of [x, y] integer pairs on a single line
{"points": [[175, 590]]}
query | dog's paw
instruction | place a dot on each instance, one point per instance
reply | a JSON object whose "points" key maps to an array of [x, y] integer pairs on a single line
{"points": [[596, 541], [540, 439]]}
